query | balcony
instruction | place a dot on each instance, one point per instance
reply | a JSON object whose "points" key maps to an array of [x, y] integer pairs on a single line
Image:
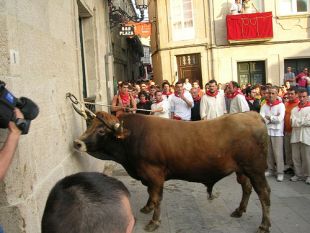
{"points": [[247, 28]]}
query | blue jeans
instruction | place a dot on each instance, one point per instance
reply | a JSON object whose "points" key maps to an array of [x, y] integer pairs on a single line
{"points": [[308, 89], [1, 229]]}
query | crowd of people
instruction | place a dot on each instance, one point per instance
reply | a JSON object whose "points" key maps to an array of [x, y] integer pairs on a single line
{"points": [[246, 7], [285, 110]]}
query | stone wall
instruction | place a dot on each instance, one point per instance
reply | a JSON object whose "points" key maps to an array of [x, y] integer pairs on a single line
{"points": [[41, 59]]}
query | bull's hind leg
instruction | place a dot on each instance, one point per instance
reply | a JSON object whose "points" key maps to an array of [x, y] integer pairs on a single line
{"points": [[262, 189], [156, 193], [246, 192]]}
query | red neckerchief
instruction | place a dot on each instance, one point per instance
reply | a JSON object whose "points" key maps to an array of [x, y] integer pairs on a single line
{"points": [[167, 93], [125, 98], [157, 102], [276, 102], [233, 95], [249, 98], [294, 101], [143, 102], [177, 95], [214, 94], [197, 98], [301, 107]]}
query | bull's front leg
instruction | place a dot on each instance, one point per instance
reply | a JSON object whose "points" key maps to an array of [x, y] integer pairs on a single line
{"points": [[156, 193]]}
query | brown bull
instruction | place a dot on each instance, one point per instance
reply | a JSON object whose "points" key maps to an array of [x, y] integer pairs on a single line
{"points": [[154, 150]]}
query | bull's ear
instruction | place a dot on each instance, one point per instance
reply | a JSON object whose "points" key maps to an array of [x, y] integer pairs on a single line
{"points": [[122, 134]]}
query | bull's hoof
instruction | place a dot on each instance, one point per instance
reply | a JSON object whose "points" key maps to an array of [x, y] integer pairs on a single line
{"points": [[152, 225], [146, 210], [212, 196], [263, 229], [237, 213]]}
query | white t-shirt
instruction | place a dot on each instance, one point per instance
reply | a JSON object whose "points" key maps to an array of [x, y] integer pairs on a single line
{"points": [[180, 108], [300, 125], [239, 104], [212, 107], [163, 104], [275, 125], [235, 8]]}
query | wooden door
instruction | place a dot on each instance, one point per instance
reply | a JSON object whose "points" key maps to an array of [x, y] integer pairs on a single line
{"points": [[189, 66]]}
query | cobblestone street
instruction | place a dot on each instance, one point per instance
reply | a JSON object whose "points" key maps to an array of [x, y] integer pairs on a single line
{"points": [[186, 209]]}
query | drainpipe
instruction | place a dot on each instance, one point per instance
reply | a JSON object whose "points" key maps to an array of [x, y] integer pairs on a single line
{"points": [[212, 40]]}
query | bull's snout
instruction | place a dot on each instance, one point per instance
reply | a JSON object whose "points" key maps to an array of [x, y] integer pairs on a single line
{"points": [[79, 145]]}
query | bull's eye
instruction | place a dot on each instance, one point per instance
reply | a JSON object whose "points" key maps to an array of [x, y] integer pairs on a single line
{"points": [[101, 132]]}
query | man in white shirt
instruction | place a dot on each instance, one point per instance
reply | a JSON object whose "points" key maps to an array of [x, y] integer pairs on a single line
{"points": [[187, 85], [238, 102], [161, 106], [212, 104], [273, 113], [181, 103], [300, 137], [236, 7]]}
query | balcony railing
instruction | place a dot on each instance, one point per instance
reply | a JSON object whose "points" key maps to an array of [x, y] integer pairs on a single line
{"points": [[244, 28]]}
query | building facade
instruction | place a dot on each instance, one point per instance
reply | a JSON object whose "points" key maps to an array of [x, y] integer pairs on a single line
{"points": [[127, 50], [189, 40]]}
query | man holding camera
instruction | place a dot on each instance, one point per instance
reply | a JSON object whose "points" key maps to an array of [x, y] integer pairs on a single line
{"points": [[9, 147]]}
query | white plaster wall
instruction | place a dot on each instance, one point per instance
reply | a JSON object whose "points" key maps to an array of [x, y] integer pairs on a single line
{"points": [[43, 35], [273, 55]]}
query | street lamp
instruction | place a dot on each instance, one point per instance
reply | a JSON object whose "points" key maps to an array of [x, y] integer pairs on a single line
{"points": [[119, 16]]}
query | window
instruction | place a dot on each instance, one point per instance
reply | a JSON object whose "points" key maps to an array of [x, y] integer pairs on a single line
{"points": [[251, 72], [182, 20], [289, 7]]}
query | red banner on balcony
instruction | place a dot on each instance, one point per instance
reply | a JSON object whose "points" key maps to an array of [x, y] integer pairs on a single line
{"points": [[255, 26]]}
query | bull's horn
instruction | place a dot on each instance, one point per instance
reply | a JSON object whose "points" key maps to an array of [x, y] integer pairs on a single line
{"points": [[116, 126]]}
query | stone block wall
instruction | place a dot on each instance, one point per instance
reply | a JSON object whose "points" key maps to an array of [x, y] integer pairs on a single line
{"points": [[40, 58]]}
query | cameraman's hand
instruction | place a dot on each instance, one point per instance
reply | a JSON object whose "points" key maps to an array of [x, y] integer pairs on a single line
{"points": [[12, 126], [18, 114]]}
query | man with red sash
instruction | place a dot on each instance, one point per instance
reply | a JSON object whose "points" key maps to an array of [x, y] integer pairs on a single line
{"points": [[300, 138], [181, 103], [238, 102], [292, 102], [123, 101], [301, 78], [212, 104], [273, 113], [195, 111], [161, 106], [196, 85], [166, 89]]}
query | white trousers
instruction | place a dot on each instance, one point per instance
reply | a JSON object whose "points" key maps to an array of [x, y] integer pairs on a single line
{"points": [[275, 154], [301, 159]]}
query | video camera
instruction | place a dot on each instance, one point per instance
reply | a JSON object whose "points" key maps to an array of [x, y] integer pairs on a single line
{"points": [[7, 104]]}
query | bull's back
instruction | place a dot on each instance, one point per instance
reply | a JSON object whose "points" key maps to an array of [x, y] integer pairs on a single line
{"points": [[199, 148]]}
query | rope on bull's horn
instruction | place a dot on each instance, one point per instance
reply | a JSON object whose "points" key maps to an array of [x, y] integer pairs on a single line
{"points": [[75, 101], [109, 105], [83, 109]]}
